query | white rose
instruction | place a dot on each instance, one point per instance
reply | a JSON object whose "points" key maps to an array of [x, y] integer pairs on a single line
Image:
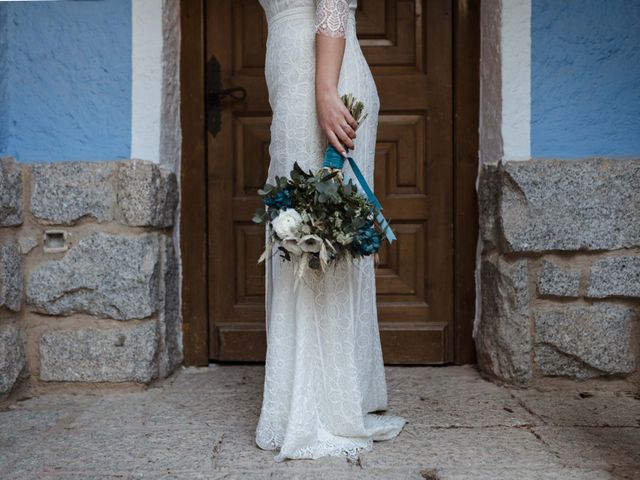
{"points": [[287, 223]]}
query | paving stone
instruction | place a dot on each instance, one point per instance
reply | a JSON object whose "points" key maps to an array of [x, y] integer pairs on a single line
{"points": [[120, 410], [22, 427], [503, 340], [125, 353], [15, 421], [454, 401], [427, 397], [570, 205], [455, 447], [20, 431], [615, 277], [237, 450], [349, 474], [583, 408], [60, 402], [559, 282], [458, 408], [77, 476], [507, 473], [593, 447], [153, 475], [147, 194], [12, 356], [106, 275], [584, 341], [13, 446], [10, 192], [626, 473], [220, 379], [11, 279], [410, 380], [450, 374], [64, 192], [120, 451], [178, 410], [186, 428]]}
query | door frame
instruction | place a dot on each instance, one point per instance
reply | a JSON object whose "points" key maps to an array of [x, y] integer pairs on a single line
{"points": [[193, 172]]}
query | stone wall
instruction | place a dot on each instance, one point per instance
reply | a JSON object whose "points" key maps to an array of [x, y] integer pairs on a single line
{"points": [[89, 282], [559, 269]]}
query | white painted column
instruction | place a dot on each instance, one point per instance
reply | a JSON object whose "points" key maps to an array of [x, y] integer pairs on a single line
{"points": [[147, 78], [516, 79], [505, 93], [505, 80]]}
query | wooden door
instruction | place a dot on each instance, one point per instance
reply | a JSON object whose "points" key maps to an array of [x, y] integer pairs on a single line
{"points": [[408, 46]]}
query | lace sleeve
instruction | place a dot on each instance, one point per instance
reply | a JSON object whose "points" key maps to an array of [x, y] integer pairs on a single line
{"points": [[331, 17]]}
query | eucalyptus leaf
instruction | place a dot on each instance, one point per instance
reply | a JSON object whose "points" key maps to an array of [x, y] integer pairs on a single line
{"points": [[298, 169], [329, 176], [332, 188], [266, 189]]}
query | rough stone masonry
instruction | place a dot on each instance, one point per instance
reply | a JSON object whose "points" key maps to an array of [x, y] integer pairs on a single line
{"points": [[89, 286], [560, 269], [89, 282]]}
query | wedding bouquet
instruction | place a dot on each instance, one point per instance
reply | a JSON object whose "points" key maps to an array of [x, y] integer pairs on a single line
{"points": [[319, 218]]}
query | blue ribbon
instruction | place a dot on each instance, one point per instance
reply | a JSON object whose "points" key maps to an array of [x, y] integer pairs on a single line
{"points": [[332, 159]]}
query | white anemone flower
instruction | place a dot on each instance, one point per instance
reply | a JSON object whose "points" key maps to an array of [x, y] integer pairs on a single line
{"points": [[310, 243], [291, 244]]}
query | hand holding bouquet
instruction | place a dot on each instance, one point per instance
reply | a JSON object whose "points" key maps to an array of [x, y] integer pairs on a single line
{"points": [[317, 217]]}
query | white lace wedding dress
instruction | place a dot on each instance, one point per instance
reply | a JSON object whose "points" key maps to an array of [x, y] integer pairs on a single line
{"points": [[324, 368]]}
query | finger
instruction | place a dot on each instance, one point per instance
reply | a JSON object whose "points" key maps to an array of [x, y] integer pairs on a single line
{"points": [[343, 137], [349, 118], [349, 131], [333, 140]]}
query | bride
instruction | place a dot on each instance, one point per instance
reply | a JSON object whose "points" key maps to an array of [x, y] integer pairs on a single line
{"points": [[324, 372]]}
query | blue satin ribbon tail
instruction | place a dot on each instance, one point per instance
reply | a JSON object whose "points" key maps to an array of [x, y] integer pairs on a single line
{"points": [[333, 159]]}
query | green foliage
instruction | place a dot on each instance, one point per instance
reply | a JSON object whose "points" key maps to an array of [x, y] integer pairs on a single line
{"points": [[332, 209]]}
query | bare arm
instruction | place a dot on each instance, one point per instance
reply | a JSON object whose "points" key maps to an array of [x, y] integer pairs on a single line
{"points": [[333, 117]]}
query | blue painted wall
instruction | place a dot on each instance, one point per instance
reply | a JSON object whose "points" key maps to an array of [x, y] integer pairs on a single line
{"points": [[66, 80], [4, 104], [585, 78]]}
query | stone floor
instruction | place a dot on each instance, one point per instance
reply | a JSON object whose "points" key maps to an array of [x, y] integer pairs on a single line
{"points": [[200, 423]]}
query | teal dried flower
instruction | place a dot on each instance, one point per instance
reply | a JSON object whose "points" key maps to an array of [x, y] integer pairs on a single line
{"points": [[280, 200], [367, 240]]}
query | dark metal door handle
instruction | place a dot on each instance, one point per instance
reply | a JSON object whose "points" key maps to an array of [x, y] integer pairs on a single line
{"points": [[237, 93], [215, 95]]}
